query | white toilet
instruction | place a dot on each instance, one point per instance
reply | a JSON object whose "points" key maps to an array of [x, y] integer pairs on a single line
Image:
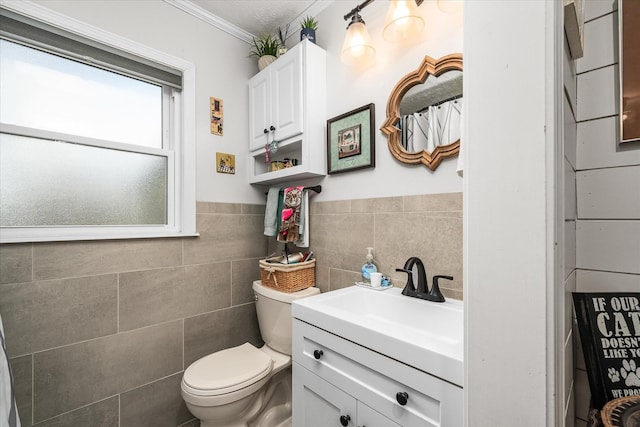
{"points": [[244, 385]]}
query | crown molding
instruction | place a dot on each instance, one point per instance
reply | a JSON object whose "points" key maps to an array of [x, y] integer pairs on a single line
{"points": [[193, 9], [208, 17]]}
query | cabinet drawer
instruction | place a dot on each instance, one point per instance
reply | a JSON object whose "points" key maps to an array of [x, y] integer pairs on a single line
{"points": [[376, 379]]}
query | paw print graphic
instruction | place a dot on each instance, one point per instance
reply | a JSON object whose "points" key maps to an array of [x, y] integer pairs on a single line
{"points": [[614, 376], [630, 373]]}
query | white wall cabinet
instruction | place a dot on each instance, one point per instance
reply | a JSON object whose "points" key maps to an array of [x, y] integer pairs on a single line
{"points": [[337, 382], [287, 102], [275, 100]]}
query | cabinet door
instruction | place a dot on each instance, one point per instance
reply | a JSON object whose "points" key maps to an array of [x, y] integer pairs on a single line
{"points": [[316, 403], [287, 95], [259, 110], [368, 417]]}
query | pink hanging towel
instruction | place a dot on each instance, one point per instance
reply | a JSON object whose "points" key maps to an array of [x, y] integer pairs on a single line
{"points": [[290, 216]]}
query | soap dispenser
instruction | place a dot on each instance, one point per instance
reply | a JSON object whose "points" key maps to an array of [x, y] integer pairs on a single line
{"points": [[368, 267]]}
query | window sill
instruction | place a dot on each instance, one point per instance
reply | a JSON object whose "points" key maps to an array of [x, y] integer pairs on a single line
{"points": [[11, 236]]}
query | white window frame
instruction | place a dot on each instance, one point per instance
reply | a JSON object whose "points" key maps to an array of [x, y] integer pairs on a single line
{"points": [[181, 217]]}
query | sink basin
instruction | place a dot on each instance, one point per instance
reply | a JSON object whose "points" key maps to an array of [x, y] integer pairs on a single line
{"points": [[422, 334]]}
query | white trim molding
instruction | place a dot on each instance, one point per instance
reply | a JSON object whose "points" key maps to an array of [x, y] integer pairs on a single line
{"points": [[208, 17], [193, 9]]}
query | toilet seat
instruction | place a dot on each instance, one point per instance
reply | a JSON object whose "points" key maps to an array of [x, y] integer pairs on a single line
{"points": [[227, 371]]}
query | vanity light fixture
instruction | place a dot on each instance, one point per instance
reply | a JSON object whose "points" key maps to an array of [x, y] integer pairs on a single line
{"points": [[357, 47], [403, 21]]}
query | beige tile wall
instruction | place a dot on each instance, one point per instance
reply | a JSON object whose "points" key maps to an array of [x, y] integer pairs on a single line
{"points": [[99, 333], [426, 226]]}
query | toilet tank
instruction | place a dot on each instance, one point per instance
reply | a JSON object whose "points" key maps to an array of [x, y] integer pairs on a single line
{"points": [[274, 314]]}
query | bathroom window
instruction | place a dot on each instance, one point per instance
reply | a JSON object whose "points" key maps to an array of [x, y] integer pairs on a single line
{"points": [[94, 142]]}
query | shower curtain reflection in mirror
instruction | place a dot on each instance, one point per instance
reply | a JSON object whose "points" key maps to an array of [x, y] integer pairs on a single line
{"points": [[436, 125]]}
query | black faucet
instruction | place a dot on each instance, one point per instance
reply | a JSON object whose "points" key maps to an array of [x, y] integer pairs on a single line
{"points": [[421, 290], [410, 289]]}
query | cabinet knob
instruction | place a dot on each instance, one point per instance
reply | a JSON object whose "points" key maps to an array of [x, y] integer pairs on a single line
{"points": [[318, 354], [265, 130], [344, 420], [402, 397], [271, 128]]}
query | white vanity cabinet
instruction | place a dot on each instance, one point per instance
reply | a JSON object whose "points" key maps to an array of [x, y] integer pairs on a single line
{"points": [[334, 378], [287, 99]]}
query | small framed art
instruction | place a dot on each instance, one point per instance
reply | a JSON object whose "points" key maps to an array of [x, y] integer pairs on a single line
{"points": [[351, 140], [225, 163], [217, 115]]}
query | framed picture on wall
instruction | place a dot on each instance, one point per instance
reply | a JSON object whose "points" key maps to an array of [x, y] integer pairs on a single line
{"points": [[351, 140], [216, 109], [629, 45]]}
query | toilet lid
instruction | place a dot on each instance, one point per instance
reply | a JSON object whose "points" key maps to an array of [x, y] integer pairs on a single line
{"points": [[228, 370]]}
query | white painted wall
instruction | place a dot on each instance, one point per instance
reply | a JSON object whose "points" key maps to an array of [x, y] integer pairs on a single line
{"points": [[349, 88], [509, 212], [568, 282], [607, 179]]}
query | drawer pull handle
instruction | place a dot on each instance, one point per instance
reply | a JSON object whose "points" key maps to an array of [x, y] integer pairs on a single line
{"points": [[402, 397], [344, 420], [318, 354]]}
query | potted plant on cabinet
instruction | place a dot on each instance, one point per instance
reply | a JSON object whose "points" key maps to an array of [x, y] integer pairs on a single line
{"points": [[308, 28], [266, 49], [283, 40]]}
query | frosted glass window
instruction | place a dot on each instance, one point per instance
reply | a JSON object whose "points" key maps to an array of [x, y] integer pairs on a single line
{"points": [[54, 183], [49, 92], [97, 134]]}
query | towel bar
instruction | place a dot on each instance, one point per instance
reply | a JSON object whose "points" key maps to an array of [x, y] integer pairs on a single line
{"points": [[316, 188]]}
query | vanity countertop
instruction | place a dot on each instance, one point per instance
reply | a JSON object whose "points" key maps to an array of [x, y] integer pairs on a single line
{"points": [[425, 335]]}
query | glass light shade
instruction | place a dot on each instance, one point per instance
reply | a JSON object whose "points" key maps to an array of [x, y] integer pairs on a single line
{"points": [[403, 21], [357, 47], [450, 6]]}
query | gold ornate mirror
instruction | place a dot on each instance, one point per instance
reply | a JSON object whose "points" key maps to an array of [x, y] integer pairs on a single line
{"points": [[424, 111]]}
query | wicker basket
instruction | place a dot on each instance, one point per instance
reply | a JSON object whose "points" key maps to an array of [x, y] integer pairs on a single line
{"points": [[622, 412], [288, 277]]}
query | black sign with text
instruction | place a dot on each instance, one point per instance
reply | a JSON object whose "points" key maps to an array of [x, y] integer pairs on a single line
{"points": [[609, 326]]}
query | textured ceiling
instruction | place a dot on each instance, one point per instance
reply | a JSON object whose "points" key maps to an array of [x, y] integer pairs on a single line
{"points": [[257, 17]]}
